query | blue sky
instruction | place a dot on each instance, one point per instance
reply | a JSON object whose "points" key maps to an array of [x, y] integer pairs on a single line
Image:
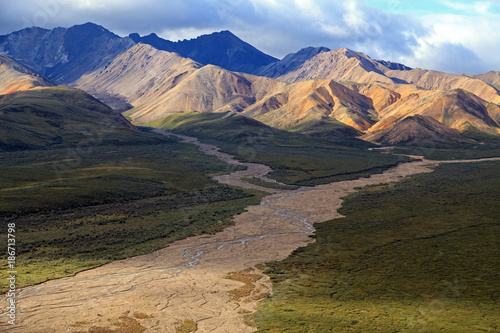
{"points": [[426, 7], [454, 36]]}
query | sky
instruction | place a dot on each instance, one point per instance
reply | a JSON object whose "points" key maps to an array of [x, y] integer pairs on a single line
{"points": [[454, 36]]}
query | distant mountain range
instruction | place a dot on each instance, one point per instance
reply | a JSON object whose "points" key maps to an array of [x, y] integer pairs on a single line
{"points": [[63, 55], [220, 48], [317, 91]]}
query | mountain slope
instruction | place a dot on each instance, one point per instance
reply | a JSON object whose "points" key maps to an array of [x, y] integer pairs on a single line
{"points": [[225, 126], [492, 78], [222, 49], [61, 115], [418, 130], [341, 65], [397, 91], [159, 83], [136, 74], [63, 55], [289, 105], [15, 76], [344, 65], [456, 109], [433, 80]]}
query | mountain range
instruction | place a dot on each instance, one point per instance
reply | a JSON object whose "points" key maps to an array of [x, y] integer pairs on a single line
{"points": [[316, 91]]}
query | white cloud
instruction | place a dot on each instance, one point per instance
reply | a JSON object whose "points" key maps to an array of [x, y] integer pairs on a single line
{"points": [[473, 42]]}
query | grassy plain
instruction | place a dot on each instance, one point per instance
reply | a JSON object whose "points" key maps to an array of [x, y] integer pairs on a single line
{"points": [[421, 255]]}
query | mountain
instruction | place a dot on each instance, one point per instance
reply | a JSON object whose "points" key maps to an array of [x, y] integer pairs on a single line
{"points": [[136, 75], [55, 116], [290, 106], [419, 130], [344, 65], [341, 65], [433, 80], [15, 76], [290, 62], [321, 92], [457, 109], [63, 55], [159, 83], [222, 49], [397, 91]]}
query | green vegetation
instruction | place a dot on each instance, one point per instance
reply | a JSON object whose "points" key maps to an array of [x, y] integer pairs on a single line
{"points": [[297, 159], [314, 166], [432, 153], [248, 278], [488, 145], [124, 324], [231, 128], [187, 326], [59, 116], [73, 212], [326, 128], [421, 255]]}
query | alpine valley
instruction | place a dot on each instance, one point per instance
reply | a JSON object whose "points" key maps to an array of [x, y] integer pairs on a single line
{"points": [[113, 147]]}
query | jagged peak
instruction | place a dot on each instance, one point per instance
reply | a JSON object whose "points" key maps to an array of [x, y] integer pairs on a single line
{"points": [[394, 65]]}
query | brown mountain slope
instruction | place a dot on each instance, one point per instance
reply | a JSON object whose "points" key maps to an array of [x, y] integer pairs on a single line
{"points": [[433, 80], [15, 77], [134, 73], [341, 65], [492, 78], [159, 83], [208, 89], [418, 130], [457, 109], [344, 65], [287, 106]]}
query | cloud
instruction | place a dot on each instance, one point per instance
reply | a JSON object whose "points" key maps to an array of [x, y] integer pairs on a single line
{"points": [[458, 44], [279, 27]]}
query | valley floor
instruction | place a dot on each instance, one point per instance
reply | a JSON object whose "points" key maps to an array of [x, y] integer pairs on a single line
{"points": [[188, 279]]}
